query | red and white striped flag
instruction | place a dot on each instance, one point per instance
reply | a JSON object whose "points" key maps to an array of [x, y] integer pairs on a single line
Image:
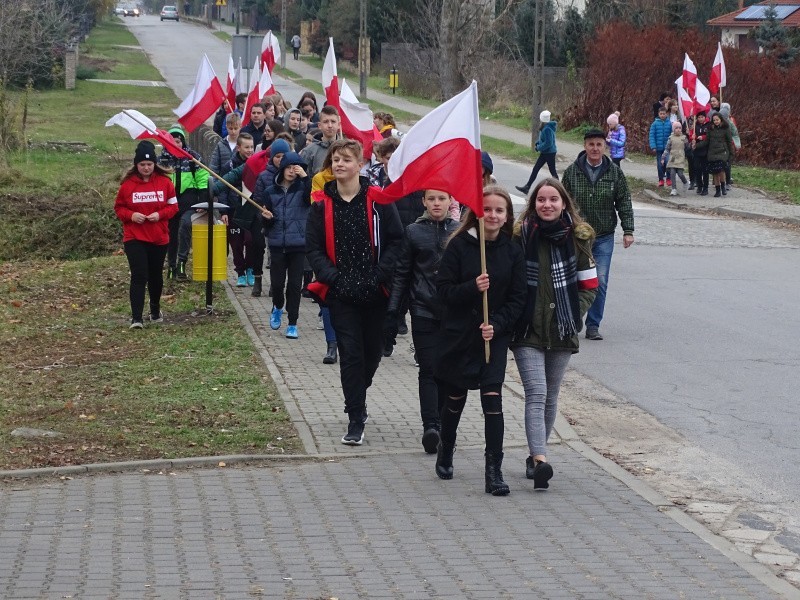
{"points": [[685, 102], [357, 120], [139, 127], [270, 51], [330, 78], [689, 75], [230, 86], [252, 93], [265, 85], [719, 76], [442, 152], [203, 101], [702, 98]]}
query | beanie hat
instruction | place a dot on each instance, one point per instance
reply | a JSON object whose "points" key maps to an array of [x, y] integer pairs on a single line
{"points": [[544, 116], [676, 125], [279, 147], [145, 150], [486, 161], [180, 132], [725, 110], [612, 120]]}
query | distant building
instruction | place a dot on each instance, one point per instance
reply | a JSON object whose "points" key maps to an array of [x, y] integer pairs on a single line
{"points": [[736, 26]]}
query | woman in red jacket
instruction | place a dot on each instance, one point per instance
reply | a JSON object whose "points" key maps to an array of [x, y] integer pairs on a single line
{"points": [[145, 203]]}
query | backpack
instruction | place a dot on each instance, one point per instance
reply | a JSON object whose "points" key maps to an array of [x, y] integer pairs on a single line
{"points": [[219, 119]]}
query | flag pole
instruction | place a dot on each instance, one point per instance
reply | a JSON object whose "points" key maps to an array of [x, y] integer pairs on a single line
{"points": [[263, 210], [486, 348]]}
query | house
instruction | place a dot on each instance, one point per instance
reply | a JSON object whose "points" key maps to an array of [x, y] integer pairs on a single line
{"points": [[735, 26]]}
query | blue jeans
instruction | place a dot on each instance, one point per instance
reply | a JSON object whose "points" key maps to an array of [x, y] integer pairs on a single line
{"points": [[602, 249], [662, 169]]}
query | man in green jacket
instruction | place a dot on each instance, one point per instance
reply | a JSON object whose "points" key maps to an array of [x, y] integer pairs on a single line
{"points": [[601, 192]]}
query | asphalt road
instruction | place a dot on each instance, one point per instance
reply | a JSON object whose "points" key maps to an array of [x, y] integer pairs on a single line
{"points": [[701, 318]]}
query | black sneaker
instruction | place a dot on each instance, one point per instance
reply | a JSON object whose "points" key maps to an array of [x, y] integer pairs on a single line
{"points": [[387, 352], [430, 440], [136, 324], [402, 328], [523, 188], [541, 474], [593, 333], [181, 272], [355, 434]]}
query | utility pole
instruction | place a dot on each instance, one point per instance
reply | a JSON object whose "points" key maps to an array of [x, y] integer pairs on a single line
{"points": [[363, 51], [238, 15], [538, 67], [284, 33]]}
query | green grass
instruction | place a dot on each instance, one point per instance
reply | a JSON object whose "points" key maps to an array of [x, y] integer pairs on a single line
{"points": [[783, 184], [114, 50], [223, 35]]}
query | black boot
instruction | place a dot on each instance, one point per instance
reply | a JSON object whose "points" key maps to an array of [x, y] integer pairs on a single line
{"points": [[494, 476], [171, 272], [705, 191], [724, 189], [718, 193], [523, 188], [256, 287], [181, 272], [330, 356], [444, 460]]}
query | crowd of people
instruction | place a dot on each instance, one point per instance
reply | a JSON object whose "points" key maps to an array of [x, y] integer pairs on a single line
{"points": [[367, 265]]}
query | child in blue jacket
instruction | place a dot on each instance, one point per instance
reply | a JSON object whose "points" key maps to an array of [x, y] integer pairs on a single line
{"points": [[660, 130]]}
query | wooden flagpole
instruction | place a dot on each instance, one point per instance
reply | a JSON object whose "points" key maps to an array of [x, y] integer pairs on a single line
{"points": [[263, 210], [482, 243]]}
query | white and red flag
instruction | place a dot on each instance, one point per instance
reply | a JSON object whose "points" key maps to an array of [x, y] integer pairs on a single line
{"points": [[252, 93], [719, 76], [330, 78], [357, 120], [265, 85], [270, 51], [685, 102], [230, 86], [702, 98], [442, 152], [241, 81], [689, 75], [203, 101], [139, 127]]}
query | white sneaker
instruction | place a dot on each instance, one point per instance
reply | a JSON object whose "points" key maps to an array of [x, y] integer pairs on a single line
{"points": [[674, 192], [320, 324]]}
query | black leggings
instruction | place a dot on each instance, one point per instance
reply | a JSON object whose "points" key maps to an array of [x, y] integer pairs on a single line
{"points": [[548, 158], [492, 405], [146, 262], [287, 265]]}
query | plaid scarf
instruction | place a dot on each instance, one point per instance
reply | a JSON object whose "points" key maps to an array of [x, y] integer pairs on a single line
{"points": [[563, 270]]}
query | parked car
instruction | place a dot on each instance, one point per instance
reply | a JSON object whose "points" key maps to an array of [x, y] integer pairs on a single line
{"points": [[170, 12], [119, 11]]}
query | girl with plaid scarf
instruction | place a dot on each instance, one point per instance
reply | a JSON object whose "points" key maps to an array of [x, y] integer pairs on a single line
{"points": [[562, 281]]}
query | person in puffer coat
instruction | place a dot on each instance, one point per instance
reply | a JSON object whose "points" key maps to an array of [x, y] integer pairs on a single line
{"points": [[288, 201], [660, 130], [415, 279]]}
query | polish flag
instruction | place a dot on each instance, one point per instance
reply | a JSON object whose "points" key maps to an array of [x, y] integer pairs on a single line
{"points": [[719, 76], [265, 85], [442, 152], [702, 98], [203, 101], [252, 93], [135, 123], [140, 127], [230, 87], [253, 167], [357, 120], [685, 102], [330, 79], [270, 51], [689, 75], [241, 81]]}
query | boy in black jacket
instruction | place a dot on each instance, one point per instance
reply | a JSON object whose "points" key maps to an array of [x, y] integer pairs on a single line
{"points": [[352, 245]]}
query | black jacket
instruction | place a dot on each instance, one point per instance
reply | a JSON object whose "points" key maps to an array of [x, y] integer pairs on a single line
{"points": [[460, 359], [386, 233], [418, 265]]}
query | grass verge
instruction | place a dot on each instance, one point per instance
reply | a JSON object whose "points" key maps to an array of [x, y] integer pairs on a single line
{"points": [[68, 363]]}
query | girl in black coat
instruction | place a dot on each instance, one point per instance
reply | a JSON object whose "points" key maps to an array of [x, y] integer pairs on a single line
{"points": [[461, 363]]}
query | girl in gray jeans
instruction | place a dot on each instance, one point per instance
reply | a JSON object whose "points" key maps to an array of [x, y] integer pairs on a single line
{"points": [[562, 283]]}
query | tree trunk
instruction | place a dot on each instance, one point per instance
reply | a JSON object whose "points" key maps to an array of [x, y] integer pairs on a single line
{"points": [[450, 68]]}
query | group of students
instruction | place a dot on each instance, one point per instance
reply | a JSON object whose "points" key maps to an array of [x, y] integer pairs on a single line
{"points": [[369, 267], [704, 144]]}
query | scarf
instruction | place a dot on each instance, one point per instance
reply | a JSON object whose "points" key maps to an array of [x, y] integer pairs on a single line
{"points": [[563, 270]]}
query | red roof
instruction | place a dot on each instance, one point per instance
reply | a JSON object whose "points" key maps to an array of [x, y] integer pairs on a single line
{"points": [[730, 20]]}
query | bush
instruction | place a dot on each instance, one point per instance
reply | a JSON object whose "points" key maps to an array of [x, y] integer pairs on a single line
{"points": [[629, 77], [84, 72]]}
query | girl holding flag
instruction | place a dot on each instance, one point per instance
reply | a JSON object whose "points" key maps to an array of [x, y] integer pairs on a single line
{"points": [[461, 363], [562, 284]]}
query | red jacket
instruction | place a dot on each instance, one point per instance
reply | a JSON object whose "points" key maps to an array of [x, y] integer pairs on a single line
{"points": [[146, 197]]}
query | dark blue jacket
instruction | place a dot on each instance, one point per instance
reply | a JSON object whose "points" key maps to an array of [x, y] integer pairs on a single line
{"points": [[546, 144], [289, 206]]}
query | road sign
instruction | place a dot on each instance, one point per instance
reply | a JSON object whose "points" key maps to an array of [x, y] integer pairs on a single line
{"points": [[222, 2]]}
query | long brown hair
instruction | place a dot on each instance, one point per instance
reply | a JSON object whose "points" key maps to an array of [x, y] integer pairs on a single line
{"points": [[470, 220], [158, 170], [569, 203]]}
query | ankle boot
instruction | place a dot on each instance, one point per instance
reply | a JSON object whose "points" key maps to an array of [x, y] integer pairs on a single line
{"points": [[717, 194], [256, 287], [330, 356], [444, 460], [494, 476], [724, 189]]}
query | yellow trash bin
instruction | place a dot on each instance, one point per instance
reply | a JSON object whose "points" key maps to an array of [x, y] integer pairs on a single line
{"points": [[219, 266]]}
